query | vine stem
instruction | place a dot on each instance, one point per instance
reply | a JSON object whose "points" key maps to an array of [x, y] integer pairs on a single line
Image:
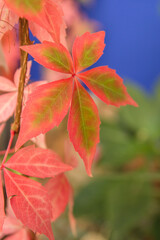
{"points": [[24, 40], [12, 133]]}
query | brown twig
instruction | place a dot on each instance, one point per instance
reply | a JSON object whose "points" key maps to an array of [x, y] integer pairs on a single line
{"points": [[24, 40]]}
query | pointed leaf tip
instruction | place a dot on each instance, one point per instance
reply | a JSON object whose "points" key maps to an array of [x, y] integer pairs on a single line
{"points": [[107, 85], [87, 49], [83, 125]]}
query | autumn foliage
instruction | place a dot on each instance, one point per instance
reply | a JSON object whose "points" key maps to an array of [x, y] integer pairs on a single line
{"points": [[45, 104]]}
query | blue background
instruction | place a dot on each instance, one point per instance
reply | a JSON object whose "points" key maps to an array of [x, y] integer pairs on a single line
{"points": [[132, 38]]}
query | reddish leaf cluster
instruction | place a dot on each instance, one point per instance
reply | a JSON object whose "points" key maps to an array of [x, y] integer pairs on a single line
{"points": [[36, 205], [33, 204], [48, 104]]}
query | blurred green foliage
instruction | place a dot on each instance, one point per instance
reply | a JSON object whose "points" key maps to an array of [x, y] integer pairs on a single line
{"points": [[125, 197]]}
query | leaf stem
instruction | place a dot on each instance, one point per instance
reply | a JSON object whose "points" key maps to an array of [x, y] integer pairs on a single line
{"points": [[12, 133], [24, 40]]}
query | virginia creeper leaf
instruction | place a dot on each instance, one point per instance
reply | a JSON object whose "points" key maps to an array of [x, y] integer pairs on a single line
{"points": [[11, 223], [6, 85], [10, 47], [51, 55], [23, 234], [59, 192], [87, 49], [39, 162], [7, 19], [30, 202], [53, 19], [83, 125], [24, 8], [2, 213], [7, 105], [107, 85], [46, 13], [45, 108]]}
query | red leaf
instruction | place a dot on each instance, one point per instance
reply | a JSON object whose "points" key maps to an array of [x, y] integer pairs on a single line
{"points": [[45, 108], [107, 85], [46, 13], [87, 49], [6, 85], [23, 234], [25, 8], [30, 203], [10, 48], [59, 192], [2, 213], [52, 19], [7, 105], [37, 162], [51, 55], [7, 19], [83, 125]]}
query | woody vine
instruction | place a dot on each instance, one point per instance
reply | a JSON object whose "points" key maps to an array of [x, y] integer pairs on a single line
{"points": [[46, 106]]}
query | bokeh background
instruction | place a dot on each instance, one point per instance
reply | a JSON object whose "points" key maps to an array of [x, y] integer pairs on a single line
{"points": [[122, 201]]}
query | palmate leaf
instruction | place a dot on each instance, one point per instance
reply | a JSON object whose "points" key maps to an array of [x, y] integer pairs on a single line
{"points": [[51, 55], [83, 125], [107, 85], [87, 49], [30, 203], [41, 163], [45, 108], [2, 213]]}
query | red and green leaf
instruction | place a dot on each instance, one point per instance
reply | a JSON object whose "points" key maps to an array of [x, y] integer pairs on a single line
{"points": [[59, 191], [45, 109], [2, 213], [53, 19], [30, 203], [25, 7], [47, 14], [87, 49], [51, 55], [83, 125], [41, 163], [107, 85]]}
